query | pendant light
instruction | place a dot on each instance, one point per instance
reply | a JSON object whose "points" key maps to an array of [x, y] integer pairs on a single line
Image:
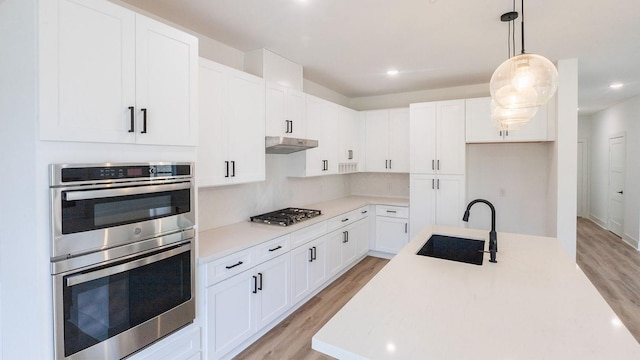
{"points": [[523, 81]]}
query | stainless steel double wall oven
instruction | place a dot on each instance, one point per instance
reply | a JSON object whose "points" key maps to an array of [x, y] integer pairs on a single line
{"points": [[123, 256]]}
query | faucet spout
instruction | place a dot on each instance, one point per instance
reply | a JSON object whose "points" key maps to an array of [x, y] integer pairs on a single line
{"points": [[493, 236]]}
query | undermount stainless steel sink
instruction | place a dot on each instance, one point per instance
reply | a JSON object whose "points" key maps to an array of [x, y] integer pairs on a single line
{"points": [[453, 248]]}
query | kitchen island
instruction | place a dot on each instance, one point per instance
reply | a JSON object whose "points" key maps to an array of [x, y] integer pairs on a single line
{"points": [[535, 303]]}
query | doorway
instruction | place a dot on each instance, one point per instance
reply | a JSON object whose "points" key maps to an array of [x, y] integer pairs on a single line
{"points": [[615, 195]]}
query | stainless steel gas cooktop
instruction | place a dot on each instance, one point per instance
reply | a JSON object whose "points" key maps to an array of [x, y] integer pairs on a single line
{"points": [[286, 217]]}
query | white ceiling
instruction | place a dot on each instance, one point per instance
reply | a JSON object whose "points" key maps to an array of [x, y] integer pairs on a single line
{"points": [[348, 45]]}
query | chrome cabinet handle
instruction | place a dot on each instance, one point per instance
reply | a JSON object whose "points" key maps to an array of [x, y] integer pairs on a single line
{"points": [[260, 277]]}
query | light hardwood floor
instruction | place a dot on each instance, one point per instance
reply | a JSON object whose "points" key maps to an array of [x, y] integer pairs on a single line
{"points": [[612, 266], [614, 269], [291, 339]]}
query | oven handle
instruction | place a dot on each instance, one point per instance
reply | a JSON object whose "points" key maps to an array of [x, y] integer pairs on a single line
{"points": [[86, 277], [98, 194]]}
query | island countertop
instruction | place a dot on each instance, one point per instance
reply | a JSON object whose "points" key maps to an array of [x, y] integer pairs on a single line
{"points": [[535, 303]]}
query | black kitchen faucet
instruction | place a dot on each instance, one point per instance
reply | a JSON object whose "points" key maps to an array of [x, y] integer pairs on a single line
{"points": [[493, 237]]}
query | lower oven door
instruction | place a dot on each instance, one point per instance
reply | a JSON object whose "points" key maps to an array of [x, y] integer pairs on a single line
{"points": [[114, 309]]}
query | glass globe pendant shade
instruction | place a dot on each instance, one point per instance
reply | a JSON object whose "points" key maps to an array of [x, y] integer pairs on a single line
{"points": [[524, 81], [511, 119]]}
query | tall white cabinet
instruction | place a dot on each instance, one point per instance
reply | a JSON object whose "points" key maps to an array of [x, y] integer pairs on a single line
{"points": [[108, 74], [437, 180], [386, 140], [232, 128], [284, 111]]}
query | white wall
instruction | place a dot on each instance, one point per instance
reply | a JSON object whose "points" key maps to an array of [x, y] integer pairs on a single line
{"points": [[514, 178], [623, 117], [380, 184]]}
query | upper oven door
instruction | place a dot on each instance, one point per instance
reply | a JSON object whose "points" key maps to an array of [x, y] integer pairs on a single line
{"points": [[91, 218]]}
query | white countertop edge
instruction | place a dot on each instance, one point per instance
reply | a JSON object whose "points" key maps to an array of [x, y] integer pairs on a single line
{"points": [[215, 243]]}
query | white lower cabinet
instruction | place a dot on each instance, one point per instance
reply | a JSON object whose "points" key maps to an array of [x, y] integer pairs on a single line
{"points": [[392, 228], [241, 305], [308, 268], [184, 344], [342, 246], [436, 199]]}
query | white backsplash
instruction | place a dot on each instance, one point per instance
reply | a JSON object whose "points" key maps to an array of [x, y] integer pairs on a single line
{"points": [[225, 205], [380, 184]]}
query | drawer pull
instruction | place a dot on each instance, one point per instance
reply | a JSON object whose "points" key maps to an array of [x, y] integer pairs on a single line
{"points": [[276, 248], [364, 212], [345, 219], [392, 211], [234, 265]]}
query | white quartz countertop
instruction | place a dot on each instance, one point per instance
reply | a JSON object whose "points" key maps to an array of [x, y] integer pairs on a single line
{"points": [[535, 303], [216, 243]]}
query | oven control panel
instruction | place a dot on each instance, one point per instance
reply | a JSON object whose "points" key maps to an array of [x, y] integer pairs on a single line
{"points": [[67, 174]]}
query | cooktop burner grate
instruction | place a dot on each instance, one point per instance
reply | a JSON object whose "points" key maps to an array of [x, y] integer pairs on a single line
{"points": [[286, 217]]}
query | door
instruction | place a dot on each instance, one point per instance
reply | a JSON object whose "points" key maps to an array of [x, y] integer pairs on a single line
{"points": [[617, 159], [335, 242], [422, 202], [399, 140], [301, 258], [230, 313], [450, 202], [450, 142], [166, 84], [377, 140], [87, 78], [273, 289], [391, 234], [423, 138]]}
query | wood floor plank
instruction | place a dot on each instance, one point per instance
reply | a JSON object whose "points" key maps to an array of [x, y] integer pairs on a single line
{"points": [[614, 269], [291, 339]]}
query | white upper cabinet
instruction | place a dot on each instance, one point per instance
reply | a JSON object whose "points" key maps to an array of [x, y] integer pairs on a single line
{"points": [[231, 146], [284, 111], [438, 137], [481, 128], [323, 125], [108, 74], [350, 139], [386, 140]]}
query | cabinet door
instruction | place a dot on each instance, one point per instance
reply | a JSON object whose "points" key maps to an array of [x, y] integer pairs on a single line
{"points": [[316, 124], [479, 125], [450, 200], [450, 141], [301, 258], [230, 313], [212, 143], [294, 112], [87, 71], [245, 124], [399, 140], [534, 130], [273, 290], [361, 229], [318, 271], [166, 84], [335, 242], [423, 138], [377, 140], [391, 234], [350, 131], [422, 202], [350, 246], [275, 104]]}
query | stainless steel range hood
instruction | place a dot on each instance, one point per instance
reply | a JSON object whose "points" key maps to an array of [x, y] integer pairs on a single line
{"points": [[285, 145]]}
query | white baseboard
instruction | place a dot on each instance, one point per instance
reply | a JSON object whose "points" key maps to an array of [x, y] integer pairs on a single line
{"points": [[600, 222]]}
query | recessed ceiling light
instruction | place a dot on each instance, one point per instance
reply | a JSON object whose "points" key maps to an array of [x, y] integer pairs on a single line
{"points": [[616, 85], [392, 72]]}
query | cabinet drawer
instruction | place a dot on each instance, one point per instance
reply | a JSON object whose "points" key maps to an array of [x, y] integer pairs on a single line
{"points": [[339, 221], [392, 211], [228, 266], [307, 234], [271, 249]]}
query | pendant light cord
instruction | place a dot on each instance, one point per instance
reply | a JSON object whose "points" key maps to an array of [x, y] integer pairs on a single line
{"points": [[522, 25]]}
